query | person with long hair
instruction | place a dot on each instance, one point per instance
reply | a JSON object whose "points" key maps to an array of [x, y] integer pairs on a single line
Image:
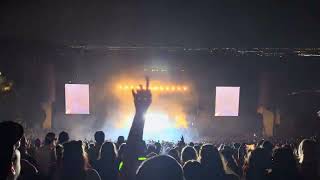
{"points": [[257, 165], [107, 164], [284, 165], [308, 161], [212, 164], [10, 135], [75, 164], [188, 153]]}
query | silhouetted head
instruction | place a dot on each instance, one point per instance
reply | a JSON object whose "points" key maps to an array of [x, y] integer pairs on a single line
{"points": [[10, 135], [99, 137], [284, 162], [258, 158], [307, 151], [63, 137], [188, 153], [37, 143], [197, 148], [211, 160], [227, 152], [74, 161], [122, 150], [108, 152], [258, 163], [158, 147], [268, 146], [192, 170], [175, 154], [50, 138], [120, 140], [160, 168], [151, 149], [73, 150]]}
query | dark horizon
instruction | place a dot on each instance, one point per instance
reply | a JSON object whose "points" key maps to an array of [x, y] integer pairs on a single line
{"points": [[165, 23]]}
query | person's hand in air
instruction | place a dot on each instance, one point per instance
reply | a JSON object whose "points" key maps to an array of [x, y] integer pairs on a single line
{"points": [[142, 98]]}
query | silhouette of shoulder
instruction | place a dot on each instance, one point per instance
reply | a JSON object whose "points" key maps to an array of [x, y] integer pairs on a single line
{"points": [[92, 175]]}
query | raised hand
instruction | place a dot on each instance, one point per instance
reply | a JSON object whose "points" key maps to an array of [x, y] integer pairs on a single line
{"points": [[142, 98]]}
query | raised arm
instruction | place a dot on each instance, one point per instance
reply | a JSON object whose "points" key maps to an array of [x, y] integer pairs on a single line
{"points": [[142, 100]]}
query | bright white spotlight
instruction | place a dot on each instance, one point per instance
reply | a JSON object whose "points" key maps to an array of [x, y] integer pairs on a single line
{"points": [[156, 122]]}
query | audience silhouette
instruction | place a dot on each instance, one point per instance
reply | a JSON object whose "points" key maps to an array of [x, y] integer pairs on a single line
{"points": [[135, 159]]}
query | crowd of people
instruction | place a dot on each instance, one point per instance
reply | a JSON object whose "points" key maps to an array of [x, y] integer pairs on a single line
{"points": [[58, 157]]}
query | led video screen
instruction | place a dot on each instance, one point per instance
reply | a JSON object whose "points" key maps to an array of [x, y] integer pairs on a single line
{"points": [[227, 101], [77, 98]]}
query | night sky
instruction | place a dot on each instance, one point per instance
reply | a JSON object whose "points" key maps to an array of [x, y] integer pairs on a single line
{"points": [[236, 23]]}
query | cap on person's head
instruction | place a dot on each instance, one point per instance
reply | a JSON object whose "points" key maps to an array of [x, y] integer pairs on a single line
{"points": [[63, 137], [160, 168], [50, 137], [10, 132], [99, 136]]}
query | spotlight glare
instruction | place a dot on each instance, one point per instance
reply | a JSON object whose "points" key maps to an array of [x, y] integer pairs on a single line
{"points": [[156, 122]]}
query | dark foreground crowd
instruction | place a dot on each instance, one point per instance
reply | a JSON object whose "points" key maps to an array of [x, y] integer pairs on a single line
{"points": [[134, 159]]}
